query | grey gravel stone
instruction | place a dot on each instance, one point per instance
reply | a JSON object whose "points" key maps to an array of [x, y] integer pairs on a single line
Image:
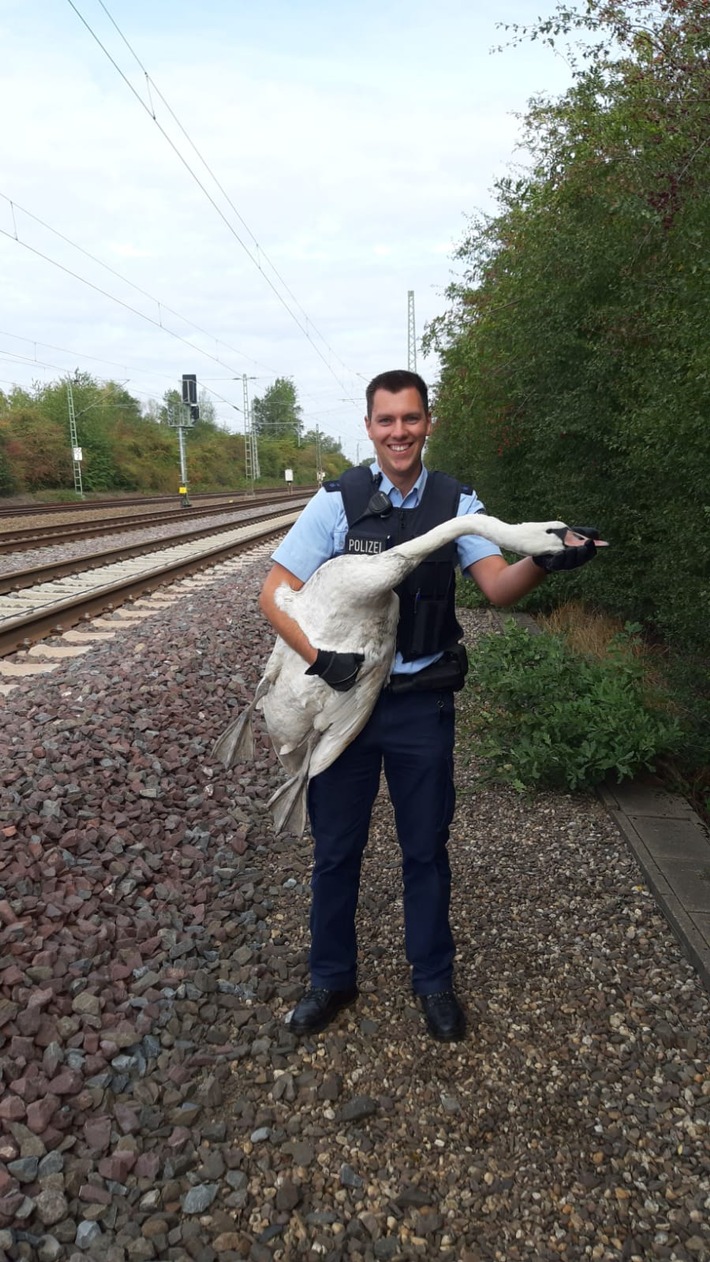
{"points": [[87, 1234], [48, 1249], [51, 1206], [199, 1198]]}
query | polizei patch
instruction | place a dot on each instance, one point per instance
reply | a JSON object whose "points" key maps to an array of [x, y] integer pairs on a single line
{"points": [[365, 547]]}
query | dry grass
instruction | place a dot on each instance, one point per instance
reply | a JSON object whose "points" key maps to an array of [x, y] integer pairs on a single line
{"points": [[586, 631], [590, 633]]}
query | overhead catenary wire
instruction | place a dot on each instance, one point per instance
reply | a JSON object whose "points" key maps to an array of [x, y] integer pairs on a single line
{"points": [[161, 306], [13, 357], [134, 310], [150, 83], [151, 112], [67, 350]]}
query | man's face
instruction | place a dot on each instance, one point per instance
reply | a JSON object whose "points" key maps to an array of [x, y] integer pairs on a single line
{"points": [[399, 428]]}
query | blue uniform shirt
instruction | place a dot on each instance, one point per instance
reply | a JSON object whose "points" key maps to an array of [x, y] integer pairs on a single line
{"points": [[319, 534]]}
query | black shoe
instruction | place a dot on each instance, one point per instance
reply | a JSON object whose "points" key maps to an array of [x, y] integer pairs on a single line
{"points": [[318, 1007], [444, 1016]]}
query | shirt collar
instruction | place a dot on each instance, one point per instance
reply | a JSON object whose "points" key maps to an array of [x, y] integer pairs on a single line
{"points": [[413, 497]]}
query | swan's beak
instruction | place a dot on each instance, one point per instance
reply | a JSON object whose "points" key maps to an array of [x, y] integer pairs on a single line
{"points": [[576, 538]]}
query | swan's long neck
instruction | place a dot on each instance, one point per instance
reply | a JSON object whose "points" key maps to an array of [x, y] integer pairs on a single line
{"points": [[389, 569], [513, 538]]}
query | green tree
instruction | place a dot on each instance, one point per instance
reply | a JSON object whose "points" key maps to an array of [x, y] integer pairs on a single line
{"points": [[574, 377], [277, 412], [36, 450]]}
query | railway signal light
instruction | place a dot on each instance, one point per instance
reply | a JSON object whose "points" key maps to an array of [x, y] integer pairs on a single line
{"points": [[189, 389], [182, 417]]}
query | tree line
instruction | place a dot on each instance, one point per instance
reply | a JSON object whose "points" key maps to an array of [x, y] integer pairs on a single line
{"points": [[575, 361], [130, 448]]}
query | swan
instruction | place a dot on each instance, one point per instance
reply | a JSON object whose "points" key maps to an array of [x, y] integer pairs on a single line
{"points": [[349, 605]]}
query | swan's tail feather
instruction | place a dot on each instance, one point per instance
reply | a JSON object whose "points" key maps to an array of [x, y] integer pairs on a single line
{"points": [[288, 805], [236, 744]]}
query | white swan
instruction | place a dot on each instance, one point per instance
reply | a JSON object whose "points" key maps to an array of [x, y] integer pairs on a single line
{"points": [[349, 606]]}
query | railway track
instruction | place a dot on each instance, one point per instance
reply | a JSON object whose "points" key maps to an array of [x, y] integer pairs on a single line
{"points": [[126, 502], [17, 580], [49, 608], [37, 533]]}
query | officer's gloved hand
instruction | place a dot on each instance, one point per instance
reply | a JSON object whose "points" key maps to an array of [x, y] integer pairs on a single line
{"points": [[571, 557], [340, 670]]}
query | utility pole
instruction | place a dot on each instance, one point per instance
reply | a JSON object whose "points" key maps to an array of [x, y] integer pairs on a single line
{"points": [[76, 451], [411, 333], [319, 463], [251, 447]]}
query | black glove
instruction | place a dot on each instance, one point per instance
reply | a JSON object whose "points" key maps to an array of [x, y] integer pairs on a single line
{"points": [[340, 670], [570, 558]]}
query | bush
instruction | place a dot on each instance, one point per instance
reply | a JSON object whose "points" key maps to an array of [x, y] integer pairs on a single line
{"points": [[546, 716]]}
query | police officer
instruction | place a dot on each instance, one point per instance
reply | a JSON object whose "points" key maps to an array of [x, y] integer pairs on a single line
{"points": [[411, 730]]}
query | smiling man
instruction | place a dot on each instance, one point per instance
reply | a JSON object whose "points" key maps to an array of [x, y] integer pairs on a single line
{"points": [[411, 730]]}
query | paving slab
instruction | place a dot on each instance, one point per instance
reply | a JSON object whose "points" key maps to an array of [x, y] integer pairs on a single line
{"points": [[675, 839], [645, 799], [672, 846]]}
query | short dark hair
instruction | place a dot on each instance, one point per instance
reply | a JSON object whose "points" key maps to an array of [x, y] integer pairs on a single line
{"points": [[394, 381]]}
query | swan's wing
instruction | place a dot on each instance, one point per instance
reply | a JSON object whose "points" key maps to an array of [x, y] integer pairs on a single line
{"points": [[335, 725], [340, 723]]}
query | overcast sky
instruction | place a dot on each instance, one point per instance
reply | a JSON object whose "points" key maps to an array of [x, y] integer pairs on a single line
{"points": [[343, 144]]}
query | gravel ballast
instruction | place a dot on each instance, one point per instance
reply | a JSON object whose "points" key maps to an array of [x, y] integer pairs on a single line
{"points": [[153, 940]]}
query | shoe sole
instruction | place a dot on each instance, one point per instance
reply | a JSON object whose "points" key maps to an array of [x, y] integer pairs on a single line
{"points": [[456, 1037]]}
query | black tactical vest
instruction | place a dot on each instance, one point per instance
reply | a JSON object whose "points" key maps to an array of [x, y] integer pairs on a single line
{"points": [[427, 618]]}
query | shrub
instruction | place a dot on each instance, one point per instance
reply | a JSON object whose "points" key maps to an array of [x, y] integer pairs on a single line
{"points": [[546, 716]]}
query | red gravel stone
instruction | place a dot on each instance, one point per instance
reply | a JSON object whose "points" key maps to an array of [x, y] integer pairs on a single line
{"points": [[68, 1082], [97, 1133], [12, 1109], [117, 1166], [41, 1112]]}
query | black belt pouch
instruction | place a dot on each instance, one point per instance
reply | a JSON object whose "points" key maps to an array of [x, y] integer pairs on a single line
{"points": [[447, 674]]}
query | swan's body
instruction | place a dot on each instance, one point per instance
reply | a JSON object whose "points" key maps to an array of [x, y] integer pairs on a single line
{"points": [[348, 606]]}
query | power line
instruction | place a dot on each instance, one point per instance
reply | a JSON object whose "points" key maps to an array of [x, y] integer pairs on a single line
{"points": [[13, 357], [151, 112], [66, 350], [161, 306], [150, 82], [112, 297]]}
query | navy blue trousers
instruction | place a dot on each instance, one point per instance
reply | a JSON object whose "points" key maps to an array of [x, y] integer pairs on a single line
{"points": [[412, 736]]}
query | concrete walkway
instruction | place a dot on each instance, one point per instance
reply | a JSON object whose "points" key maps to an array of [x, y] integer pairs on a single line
{"points": [[672, 847]]}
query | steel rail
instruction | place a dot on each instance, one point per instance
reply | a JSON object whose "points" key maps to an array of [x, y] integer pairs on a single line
{"points": [[26, 537], [18, 580], [127, 501], [57, 615]]}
